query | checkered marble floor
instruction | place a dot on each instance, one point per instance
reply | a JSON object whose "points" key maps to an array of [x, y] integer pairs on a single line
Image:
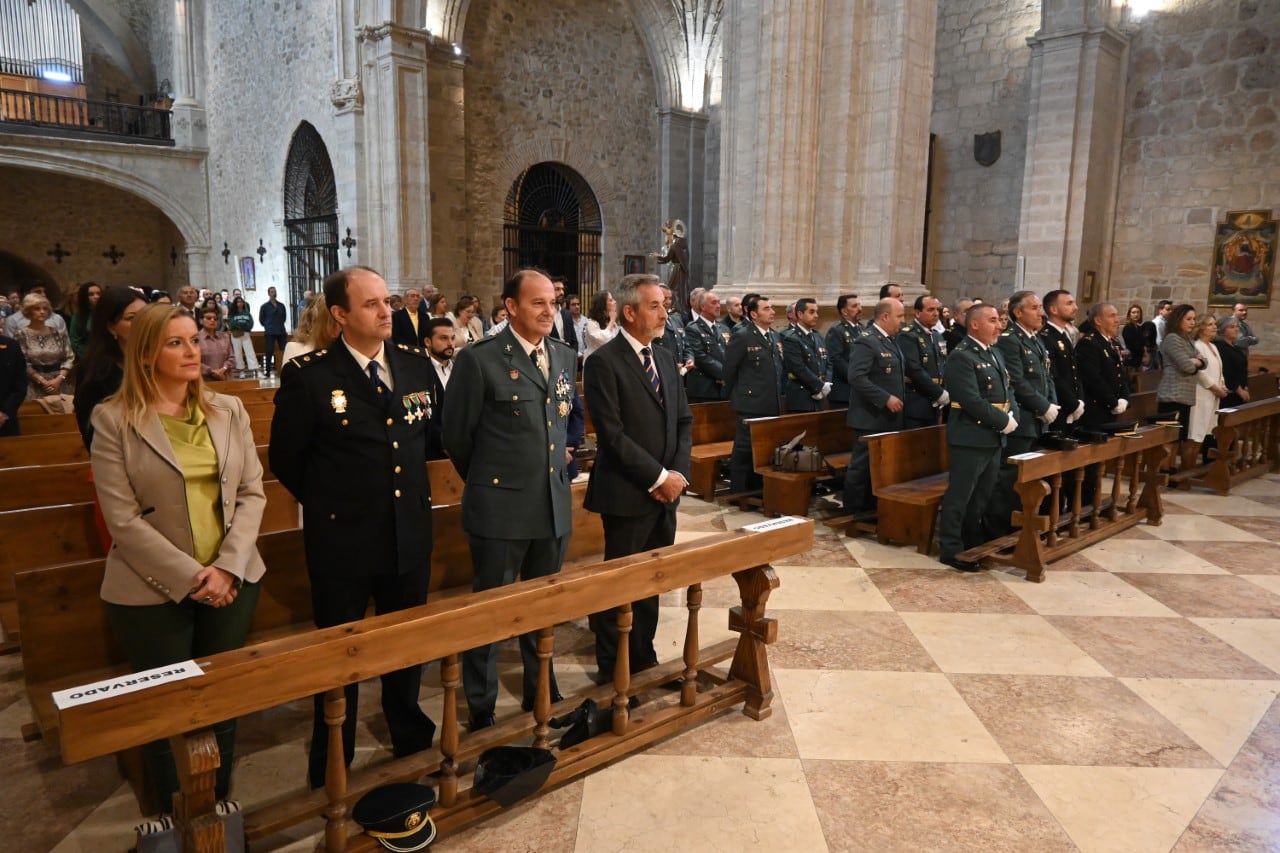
{"points": [[1128, 703]]}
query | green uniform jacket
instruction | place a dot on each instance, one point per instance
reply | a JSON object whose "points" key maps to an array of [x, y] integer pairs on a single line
{"points": [[980, 401], [804, 357], [840, 338], [922, 362], [706, 346], [1030, 376], [753, 371], [875, 374]]}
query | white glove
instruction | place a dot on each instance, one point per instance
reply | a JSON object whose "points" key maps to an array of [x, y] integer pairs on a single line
{"points": [[1121, 406], [1009, 427], [683, 370], [826, 389], [1051, 414], [943, 401], [1079, 411]]}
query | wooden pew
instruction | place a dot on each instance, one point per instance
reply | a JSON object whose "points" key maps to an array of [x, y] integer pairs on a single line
{"points": [[57, 449], [1041, 539], [789, 492], [909, 474], [46, 424], [1263, 386], [285, 670], [1148, 380], [1248, 445], [714, 425]]}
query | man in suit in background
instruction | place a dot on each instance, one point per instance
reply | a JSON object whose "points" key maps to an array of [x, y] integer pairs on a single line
{"points": [[644, 435], [922, 364], [13, 385], [804, 356], [753, 375], [563, 328], [1060, 309], [877, 397], [506, 418], [706, 338], [840, 338], [351, 432], [409, 324]]}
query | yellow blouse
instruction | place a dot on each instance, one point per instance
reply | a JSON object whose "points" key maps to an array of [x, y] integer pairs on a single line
{"points": [[198, 459]]}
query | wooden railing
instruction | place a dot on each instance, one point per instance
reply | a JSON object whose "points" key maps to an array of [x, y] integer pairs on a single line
{"points": [[273, 673], [1248, 445], [106, 118]]}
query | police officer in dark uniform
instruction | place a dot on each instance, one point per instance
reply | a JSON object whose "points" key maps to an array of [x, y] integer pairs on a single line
{"points": [[982, 413], [840, 338], [804, 357], [877, 392], [922, 364], [1106, 390], [706, 339], [1060, 308], [753, 373], [349, 439], [1027, 362], [672, 338]]}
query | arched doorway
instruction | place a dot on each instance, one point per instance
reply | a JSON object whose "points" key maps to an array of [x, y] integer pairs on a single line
{"points": [[552, 220], [17, 273], [310, 213]]}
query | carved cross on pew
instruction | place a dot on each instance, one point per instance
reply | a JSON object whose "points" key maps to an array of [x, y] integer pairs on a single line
{"points": [[58, 253], [114, 254], [348, 242]]}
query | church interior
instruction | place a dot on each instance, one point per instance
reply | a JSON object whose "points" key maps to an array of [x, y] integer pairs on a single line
{"points": [[812, 148]]}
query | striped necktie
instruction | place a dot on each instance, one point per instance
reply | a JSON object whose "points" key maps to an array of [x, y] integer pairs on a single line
{"points": [[651, 370]]}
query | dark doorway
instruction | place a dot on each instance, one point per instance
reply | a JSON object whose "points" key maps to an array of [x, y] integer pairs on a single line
{"points": [[310, 214], [552, 221]]}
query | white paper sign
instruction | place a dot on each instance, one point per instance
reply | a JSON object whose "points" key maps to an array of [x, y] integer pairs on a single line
{"points": [[1032, 455], [1225, 411], [122, 684], [774, 523]]}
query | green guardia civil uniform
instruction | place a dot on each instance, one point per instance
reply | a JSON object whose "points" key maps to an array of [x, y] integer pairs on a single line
{"points": [[1031, 378]]}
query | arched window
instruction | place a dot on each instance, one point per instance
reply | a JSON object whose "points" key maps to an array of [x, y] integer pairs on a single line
{"points": [[552, 221], [310, 213]]}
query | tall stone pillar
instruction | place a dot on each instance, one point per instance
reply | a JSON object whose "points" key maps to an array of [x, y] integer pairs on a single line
{"points": [[190, 130], [1074, 127], [198, 266], [397, 215], [448, 152], [682, 148]]}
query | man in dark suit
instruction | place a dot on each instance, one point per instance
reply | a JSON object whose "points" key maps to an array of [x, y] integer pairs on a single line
{"points": [[563, 328], [840, 338], [877, 392], [922, 364], [13, 385], [706, 339], [753, 382], [273, 317], [409, 324], [349, 437], [804, 356], [644, 435], [506, 417]]}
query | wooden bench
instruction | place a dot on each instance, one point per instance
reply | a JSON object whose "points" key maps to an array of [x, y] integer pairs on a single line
{"points": [[284, 670], [789, 492], [909, 474], [1248, 445], [714, 425]]}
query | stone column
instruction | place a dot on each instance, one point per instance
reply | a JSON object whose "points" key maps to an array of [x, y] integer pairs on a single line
{"points": [[397, 221], [682, 147], [448, 153], [1075, 121], [190, 129], [198, 266], [346, 94]]}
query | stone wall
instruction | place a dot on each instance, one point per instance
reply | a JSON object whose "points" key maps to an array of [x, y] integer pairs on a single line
{"points": [[565, 81], [980, 85], [1202, 136], [86, 217]]}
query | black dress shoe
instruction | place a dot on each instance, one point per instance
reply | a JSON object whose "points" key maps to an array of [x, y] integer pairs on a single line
{"points": [[481, 721], [526, 704], [423, 742], [961, 565]]}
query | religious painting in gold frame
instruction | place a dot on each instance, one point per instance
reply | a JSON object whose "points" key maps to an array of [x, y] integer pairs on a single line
{"points": [[1244, 259]]}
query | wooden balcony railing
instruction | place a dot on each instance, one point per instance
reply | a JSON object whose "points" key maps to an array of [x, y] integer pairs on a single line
{"points": [[79, 116]]}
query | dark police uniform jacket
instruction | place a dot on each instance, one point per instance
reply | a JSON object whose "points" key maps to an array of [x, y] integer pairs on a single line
{"points": [[804, 357], [981, 404], [922, 364], [875, 373], [355, 463], [1066, 378], [840, 338], [706, 345], [1027, 362], [1102, 374], [753, 371], [672, 339], [505, 430]]}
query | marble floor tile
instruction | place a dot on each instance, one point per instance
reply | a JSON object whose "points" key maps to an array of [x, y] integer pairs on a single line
{"points": [[828, 550], [870, 554], [1271, 583], [951, 592], [1192, 527], [839, 639], [549, 821], [732, 732], [826, 588], [1121, 809], [686, 534], [1096, 721], [1220, 505], [1157, 647], [1208, 596], [1084, 594], [1217, 714], [874, 806], [642, 804], [992, 643], [1267, 485], [1267, 529], [717, 592], [1133, 555], [883, 716], [1258, 638], [1239, 558]]}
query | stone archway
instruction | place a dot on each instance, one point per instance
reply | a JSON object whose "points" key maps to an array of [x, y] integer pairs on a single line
{"points": [[551, 219], [18, 273], [310, 212]]}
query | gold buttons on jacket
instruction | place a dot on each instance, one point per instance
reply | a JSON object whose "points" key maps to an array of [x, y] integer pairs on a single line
{"points": [[397, 493], [397, 469], [495, 481], [395, 445], [390, 421], [553, 447]]}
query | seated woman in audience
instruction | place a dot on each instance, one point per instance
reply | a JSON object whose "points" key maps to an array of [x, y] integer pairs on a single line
{"points": [[240, 324], [180, 486], [438, 306], [1135, 341], [211, 303], [1235, 363], [466, 325], [86, 298], [46, 349], [316, 330], [1176, 393], [98, 375], [602, 322], [1209, 387]]}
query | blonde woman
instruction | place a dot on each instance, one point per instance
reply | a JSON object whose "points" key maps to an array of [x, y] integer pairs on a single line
{"points": [[180, 486], [47, 349], [1210, 387], [316, 330]]}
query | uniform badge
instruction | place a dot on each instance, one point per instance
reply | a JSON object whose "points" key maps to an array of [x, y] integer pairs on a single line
{"points": [[417, 406], [1062, 346], [507, 347], [563, 409], [338, 399], [514, 374]]}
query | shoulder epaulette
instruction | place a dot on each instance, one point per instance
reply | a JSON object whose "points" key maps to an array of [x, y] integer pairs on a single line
{"points": [[418, 351], [560, 342], [308, 357]]}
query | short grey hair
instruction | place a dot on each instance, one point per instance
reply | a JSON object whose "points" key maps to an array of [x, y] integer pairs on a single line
{"points": [[1227, 322], [1016, 300], [628, 290], [1095, 310], [886, 306]]}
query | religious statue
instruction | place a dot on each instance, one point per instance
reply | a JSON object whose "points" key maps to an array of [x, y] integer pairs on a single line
{"points": [[675, 251]]}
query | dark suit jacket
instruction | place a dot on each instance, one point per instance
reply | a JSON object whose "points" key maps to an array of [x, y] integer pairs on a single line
{"points": [[1102, 375], [637, 434], [505, 428], [875, 373], [402, 327], [570, 334], [356, 464], [13, 383]]}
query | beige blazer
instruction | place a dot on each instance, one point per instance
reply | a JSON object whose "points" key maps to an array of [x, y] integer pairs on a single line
{"points": [[144, 501]]}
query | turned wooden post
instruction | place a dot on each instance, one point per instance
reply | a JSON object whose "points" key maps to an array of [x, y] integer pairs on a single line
{"points": [[542, 694], [335, 778], [689, 689], [450, 679], [622, 671], [1134, 464], [1116, 482], [197, 760], [751, 659], [1055, 507]]}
